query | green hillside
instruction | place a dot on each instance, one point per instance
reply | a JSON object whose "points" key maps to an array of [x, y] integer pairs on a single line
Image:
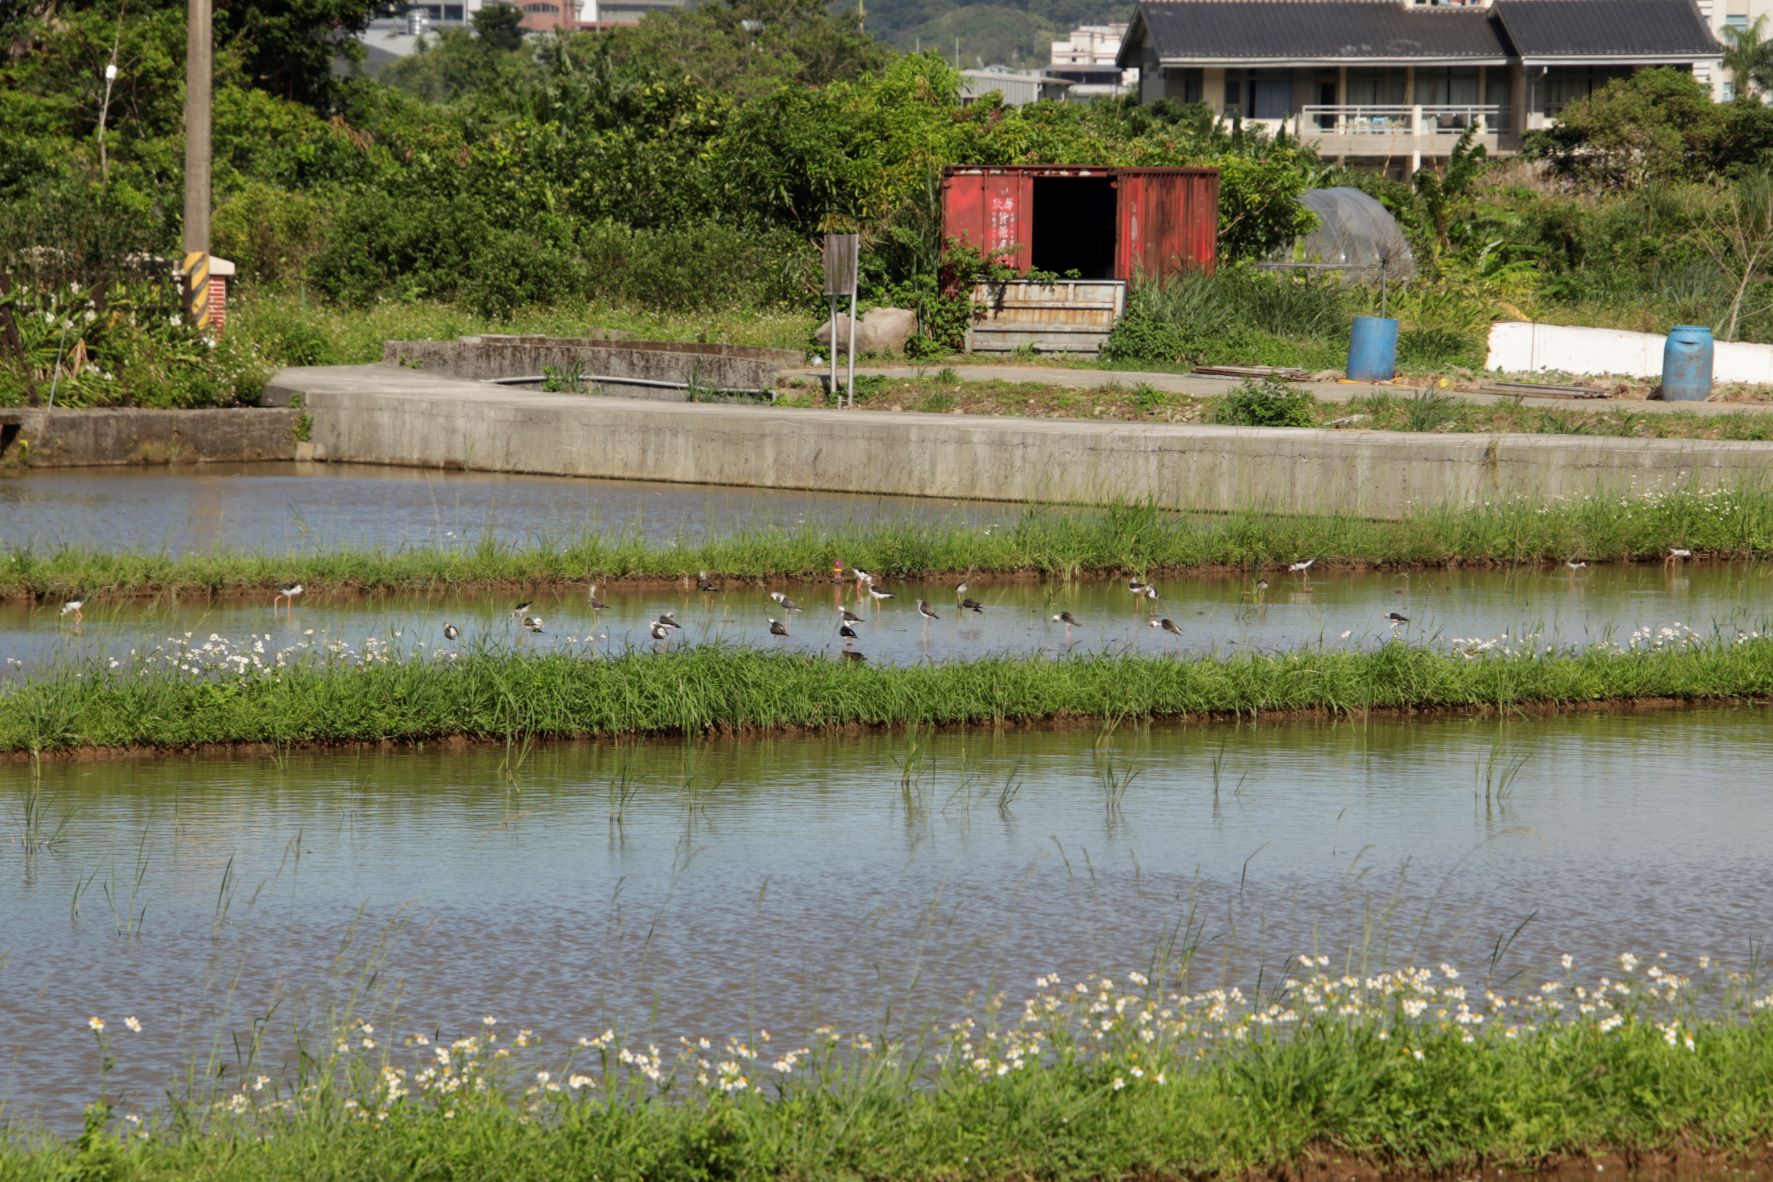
{"points": [[989, 33]]}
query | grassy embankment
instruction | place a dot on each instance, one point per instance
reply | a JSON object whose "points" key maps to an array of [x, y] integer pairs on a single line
{"points": [[1138, 539], [1407, 1072], [217, 692], [943, 391]]}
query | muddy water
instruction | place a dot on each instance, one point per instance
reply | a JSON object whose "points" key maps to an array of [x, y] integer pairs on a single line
{"points": [[297, 508], [787, 883], [1216, 614]]}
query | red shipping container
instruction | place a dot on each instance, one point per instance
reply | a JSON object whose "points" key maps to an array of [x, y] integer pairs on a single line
{"points": [[1102, 223]]}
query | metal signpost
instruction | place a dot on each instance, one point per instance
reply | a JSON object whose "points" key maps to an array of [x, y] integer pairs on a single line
{"points": [[841, 255]]}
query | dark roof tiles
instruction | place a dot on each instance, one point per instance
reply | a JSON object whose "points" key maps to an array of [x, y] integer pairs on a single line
{"points": [[1355, 30], [1606, 28]]}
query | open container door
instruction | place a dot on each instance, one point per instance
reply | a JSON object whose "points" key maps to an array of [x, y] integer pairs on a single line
{"points": [[991, 211]]}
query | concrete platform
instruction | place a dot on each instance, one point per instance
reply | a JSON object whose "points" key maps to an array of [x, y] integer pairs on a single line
{"points": [[36, 438], [386, 415]]}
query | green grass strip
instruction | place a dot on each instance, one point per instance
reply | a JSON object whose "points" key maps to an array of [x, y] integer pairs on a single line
{"points": [[1138, 539], [1102, 1081], [487, 695]]}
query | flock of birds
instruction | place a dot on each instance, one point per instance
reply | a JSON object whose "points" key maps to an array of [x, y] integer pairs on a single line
{"points": [[864, 584]]}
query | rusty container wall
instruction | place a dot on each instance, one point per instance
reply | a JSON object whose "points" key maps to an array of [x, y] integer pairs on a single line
{"points": [[1169, 221], [992, 211]]}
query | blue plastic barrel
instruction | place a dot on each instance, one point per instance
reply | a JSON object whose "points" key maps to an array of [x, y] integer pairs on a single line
{"points": [[1372, 350], [1686, 363]]}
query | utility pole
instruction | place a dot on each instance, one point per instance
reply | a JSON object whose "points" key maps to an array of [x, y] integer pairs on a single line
{"points": [[197, 73]]}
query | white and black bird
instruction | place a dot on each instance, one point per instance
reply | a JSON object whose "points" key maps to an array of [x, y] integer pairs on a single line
{"points": [[668, 620], [1070, 621], [451, 633], [788, 605], [847, 632], [848, 616], [660, 633], [972, 605], [75, 605], [1168, 625], [1299, 568], [1137, 586], [1677, 554], [1575, 563], [704, 583], [533, 624], [288, 592], [597, 604], [520, 610], [850, 654], [878, 596], [1397, 618], [961, 591], [777, 628], [926, 611], [1261, 588]]}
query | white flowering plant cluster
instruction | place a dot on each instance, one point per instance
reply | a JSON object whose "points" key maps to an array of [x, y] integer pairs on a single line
{"points": [[126, 343], [1099, 1036]]}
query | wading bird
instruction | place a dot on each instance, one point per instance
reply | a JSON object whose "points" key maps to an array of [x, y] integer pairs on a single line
{"points": [[704, 583], [1070, 621], [1168, 625], [847, 632], [848, 616], [450, 633], [926, 611], [850, 654], [597, 604], [961, 591], [668, 620], [518, 611], [1261, 589], [533, 624], [972, 605], [777, 628], [290, 592], [75, 606], [1676, 554], [1575, 564], [879, 597], [661, 633], [788, 605], [1397, 618]]}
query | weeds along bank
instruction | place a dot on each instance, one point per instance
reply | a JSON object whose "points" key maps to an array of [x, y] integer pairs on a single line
{"points": [[220, 692], [1136, 540], [1410, 1071]]}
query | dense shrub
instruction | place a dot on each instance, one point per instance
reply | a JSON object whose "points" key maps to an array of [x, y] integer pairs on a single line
{"points": [[1268, 403]]}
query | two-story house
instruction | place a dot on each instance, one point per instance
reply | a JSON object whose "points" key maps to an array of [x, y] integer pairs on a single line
{"points": [[1393, 84]]}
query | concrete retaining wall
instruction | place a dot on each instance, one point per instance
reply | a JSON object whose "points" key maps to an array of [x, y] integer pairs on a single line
{"points": [[78, 438], [379, 415], [720, 367], [1517, 347]]}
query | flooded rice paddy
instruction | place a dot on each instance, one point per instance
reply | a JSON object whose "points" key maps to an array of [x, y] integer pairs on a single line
{"points": [[1217, 614], [303, 508], [864, 881]]}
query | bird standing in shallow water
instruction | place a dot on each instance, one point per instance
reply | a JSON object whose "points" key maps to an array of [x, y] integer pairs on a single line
{"points": [[879, 597], [850, 654], [1397, 618], [668, 620], [972, 605], [848, 616], [1261, 589], [75, 606], [777, 628], [847, 632], [1676, 554], [450, 633], [1070, 621], [533, 624], [520, 610], [661, 633], [1168, 625], [597, 604], [704, 583], [1576, 564], [788, 605], [289, 592]]}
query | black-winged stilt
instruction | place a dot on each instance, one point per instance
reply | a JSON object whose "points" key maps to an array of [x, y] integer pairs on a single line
{"points": [[850, 654], [1676, 554], [533, 624], [961, 591], [878, 596], [1168, 625], [668, 620], [520, 610], [788, 605], [847, 632], [972, 605], [660, 633], [75, 605], [1070, 621], [1302, 568], [777, 628], [450, 633], [926, 611], [1575, 563], [287, 592], [704, 583], [1397, 618], [597, 604], [1261, 589], [848, 616]]}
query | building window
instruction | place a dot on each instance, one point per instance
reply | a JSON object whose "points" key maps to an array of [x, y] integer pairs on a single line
{"points": [[1727, 92], [1739, 21]]}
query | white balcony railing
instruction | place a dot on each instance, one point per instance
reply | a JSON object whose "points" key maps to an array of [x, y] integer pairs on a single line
{"points": [[1413, 120]]}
